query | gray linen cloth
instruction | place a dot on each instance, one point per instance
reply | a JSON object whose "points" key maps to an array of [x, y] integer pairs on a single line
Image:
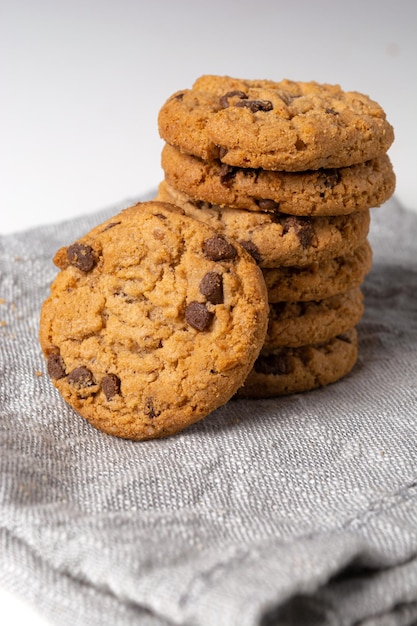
{"points": [[290, 511]]}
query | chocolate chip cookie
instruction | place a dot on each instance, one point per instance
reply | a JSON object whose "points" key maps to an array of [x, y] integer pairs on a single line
{"points": [[319, 280], [276, 239], [288, 125], [153, 321], [294, 370], [316, 192], [295, 324]]}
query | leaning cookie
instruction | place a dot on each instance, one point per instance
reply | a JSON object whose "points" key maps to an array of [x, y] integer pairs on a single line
{"points": [[315, 192], [294, 370], [287, 125], [295, 324], [277, 239], [153, 322], [319, 280]]}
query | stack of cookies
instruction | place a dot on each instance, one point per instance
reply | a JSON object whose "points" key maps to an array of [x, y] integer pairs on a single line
{"points": [[289, 170], [252, 287]]}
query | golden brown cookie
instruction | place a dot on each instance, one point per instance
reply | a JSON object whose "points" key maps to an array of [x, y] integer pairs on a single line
{"points": [[287, 125], [295, 324], [315, 192], [319, 280], [278, 239], [153, 321], [294, 370]]}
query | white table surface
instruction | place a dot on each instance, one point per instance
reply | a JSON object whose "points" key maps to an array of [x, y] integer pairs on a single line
{"points": [[82, 83]]}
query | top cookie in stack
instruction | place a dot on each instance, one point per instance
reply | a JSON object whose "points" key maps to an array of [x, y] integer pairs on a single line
{"points": [[290, 170]]}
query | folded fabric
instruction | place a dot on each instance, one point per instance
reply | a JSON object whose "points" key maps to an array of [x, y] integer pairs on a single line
{"points": [[299, 510]]}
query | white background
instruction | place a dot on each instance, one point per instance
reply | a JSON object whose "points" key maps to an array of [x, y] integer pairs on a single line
{"points": [[82, 82]]}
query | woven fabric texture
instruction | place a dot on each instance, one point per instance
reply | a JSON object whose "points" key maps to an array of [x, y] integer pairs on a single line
{"points": [[282, 512]]}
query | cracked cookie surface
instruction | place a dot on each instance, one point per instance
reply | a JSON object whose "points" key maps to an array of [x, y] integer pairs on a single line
{"points": [[276, 239], [285, 125], [153, 321]]}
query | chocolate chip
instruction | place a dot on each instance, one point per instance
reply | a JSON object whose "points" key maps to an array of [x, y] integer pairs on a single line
{"points": [[56, 366], [178, 96], [198, 316], [161, 216], [149, 408], [227, 173], [111, 225], [217, 248], [224, 100], [329, 178], [81, 377], [255, 105], [81, 256], [211, 286], [276, 364], [267, 205], [302, 227], [110, 385], [331, 111], [222, 152], [253, 250]]}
